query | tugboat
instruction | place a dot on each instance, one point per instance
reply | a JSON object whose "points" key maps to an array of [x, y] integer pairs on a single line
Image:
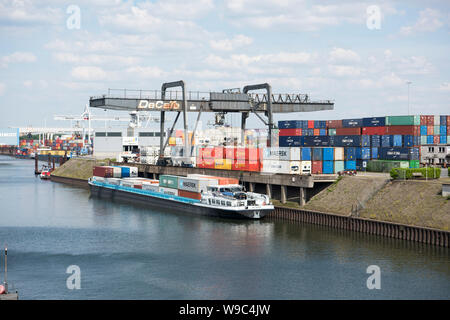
{"points": [[45, 172], [197, 194]]}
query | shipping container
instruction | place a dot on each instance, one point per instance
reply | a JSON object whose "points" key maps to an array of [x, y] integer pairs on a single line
{"points": [[397, 140], [316, 167], [320, 124], [282, 153], [443, 139], [402, 120], [275, 166], [352, 123], [223, 164], [168, 191], [365, 153], [328, 167], [322, 132], [331, 132], [374, 122], [150, 187], [395, 153], [252, 154], [189, 194], [376, 141], [436, 139], [423, 130], [430, 139], [443, 130], [290, 141], [103, 171], [374, 154], [290, 132], [334, 124], [351, 153], [317, 154], [316, 141], [219, 180], [408, 141], [290, 124], [168, 181], [346, 141], [316, 132], [430, 130], [348, 131], [195, 184], [411, 130], [437, 120], [339, 153], [437, 130], [310, 124], [339, 166], [386, 141], [327, 154], [365, 141], [361, 165], [350, 165], [305, 154], [305, 167]]}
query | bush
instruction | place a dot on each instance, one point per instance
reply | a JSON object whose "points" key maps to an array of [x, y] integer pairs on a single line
{"points": [[403, 173]]}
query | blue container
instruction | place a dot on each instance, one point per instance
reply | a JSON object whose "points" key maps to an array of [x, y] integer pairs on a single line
{"points": [[320, 124], [350, 153], [395, 153], [443, 139], [386, 141], [430, 139], [397, 140], [304, 124], [290, 124], [376, 141], [374, 153], [317, 154], [443, 130], [316, 141], [328, 154], [365, 153], [365, 141], [350, 165], [374, 122], [328, 167], [290, 141], [352, 123], [346, 141], [423, 130], [125, 172], [443, 120], [323, 132], [408, 140], [305, 154], [414, 154], [416, 140], [307, 132]]}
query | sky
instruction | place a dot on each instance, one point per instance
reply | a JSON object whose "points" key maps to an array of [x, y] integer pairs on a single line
{"points": [[55, 54]]}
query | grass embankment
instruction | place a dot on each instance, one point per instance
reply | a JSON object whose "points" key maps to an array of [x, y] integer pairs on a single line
{"points": [[78, 168], [418, 203]]}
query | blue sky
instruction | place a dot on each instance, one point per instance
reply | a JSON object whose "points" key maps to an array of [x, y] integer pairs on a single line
{"points": [[322, 48]]}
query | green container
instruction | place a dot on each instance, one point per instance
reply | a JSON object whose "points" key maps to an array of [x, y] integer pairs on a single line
{"points": [[414, 164], [338, 166], [331, 132], [168, 181], [403, 120], [423, 140], [385, 165], [437, 129]]}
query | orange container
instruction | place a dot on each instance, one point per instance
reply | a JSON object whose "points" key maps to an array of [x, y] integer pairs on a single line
{"points": [[189, 194]]}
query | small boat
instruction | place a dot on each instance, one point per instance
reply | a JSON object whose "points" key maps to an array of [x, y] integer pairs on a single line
{"points": [[45, 173]]}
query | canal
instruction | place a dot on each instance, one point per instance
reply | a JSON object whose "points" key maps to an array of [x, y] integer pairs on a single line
{"points": [[131, 251]]}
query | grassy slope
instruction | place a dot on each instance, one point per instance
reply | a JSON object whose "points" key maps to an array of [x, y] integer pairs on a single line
{"points": [[77, 168]]}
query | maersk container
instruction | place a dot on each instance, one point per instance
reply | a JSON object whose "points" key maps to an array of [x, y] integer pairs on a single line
{"points": [[195, 184], [328, 167], [408, 141], [306, 154], [423, 130], [386, 141], [443, 130], [430, 139], [150, 187], [168, 181], [276, 166], [317, 154], [290, 141], [339, 153], [345, 141], [374, 153], [397, 140], [331, 132], [328, 154], [350, 165], [403, 120], [352, 123], [365, 141], [316, 141], [339, 166], [281, 153], [376, 141], [365, 153], [374, 122], [443, 139], [168, 191]]}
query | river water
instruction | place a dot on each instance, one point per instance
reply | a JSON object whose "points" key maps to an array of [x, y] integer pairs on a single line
{"points": [[131, 251]]}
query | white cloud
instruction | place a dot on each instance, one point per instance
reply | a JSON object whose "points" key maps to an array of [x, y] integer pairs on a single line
{"points": [[429, 21], [95, 59], [27, 12], [2, 88], [445, 86], [343, 56], [344, 71], [146, 72], [89, 73], [231, 44], [28, 83], [17, 57]]}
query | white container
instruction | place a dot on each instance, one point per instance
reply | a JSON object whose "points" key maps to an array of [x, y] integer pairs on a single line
{"points": [[133, 172], [168, 191], [437, 121], [99, 179], [197, 185], [117, 172], [305, 167], [294, 167], [150, 187], [281, 153], [339, 154], [275, 166], [114, 181]]}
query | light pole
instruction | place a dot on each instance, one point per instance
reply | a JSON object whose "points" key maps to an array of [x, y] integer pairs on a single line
{"points": [[408, 83]]}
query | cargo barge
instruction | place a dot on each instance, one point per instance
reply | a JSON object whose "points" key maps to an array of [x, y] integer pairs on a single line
{"points": [[195, 194]]}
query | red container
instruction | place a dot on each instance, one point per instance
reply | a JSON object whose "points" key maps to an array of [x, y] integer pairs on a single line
{"points": [[138, 186], [436, 140], [189, 194], [199, 161], [373, 131], [348, 131], [317, 132], [207, 153], [208, 163], [430, 130], [448, 121], [404, 130], [239, 164], [316, 167], [290, 132], [248, 154], [103, 171], [254, 166], [310, 124], [334, 124], [230, 153], [429, 120], [218, 153]]}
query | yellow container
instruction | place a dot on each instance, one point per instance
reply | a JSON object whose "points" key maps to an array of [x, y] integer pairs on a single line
{"points": [[172, 141], [224, 164]]}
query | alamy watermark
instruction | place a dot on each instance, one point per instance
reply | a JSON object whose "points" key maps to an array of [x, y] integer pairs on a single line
{"points": [[373, 21], [74, 20], [74, 280], [374, 280]]}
